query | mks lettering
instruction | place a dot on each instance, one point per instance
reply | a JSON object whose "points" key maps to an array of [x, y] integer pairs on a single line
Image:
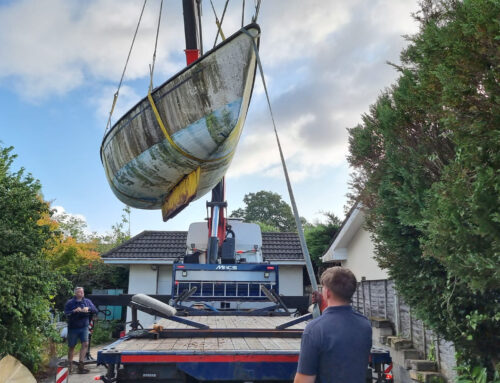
{"points": [[226, 267]]}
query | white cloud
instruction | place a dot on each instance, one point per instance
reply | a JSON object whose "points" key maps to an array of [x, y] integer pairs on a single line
{"points": [[258, 152], [62, 216], [59, 210], [293, 29], [127, 98], [323, 85], [52, 47]]}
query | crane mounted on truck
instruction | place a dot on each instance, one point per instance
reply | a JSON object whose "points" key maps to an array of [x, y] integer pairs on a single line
{"points": [[226, 320]]}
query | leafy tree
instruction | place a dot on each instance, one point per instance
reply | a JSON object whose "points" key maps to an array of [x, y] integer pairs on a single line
{"points": [[71, 226], [98, 275], [268, 208], [319, 237], [76, 255], [427, 163], [26, 280], [69, 248], [120, 232], [266, 228], [67, 253]]}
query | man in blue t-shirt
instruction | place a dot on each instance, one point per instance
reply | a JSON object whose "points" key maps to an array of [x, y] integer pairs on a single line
{"points": [[335, 346], [78, 310]]}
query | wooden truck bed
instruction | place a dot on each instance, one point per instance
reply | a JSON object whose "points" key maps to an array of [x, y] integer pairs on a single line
{"points": [[217, 343], [233, 348]]}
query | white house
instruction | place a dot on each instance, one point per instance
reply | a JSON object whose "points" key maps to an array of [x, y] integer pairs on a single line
{"points": [[151, 254], [353, 248]]}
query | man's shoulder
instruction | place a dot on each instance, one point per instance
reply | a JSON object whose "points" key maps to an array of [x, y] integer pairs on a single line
{"points": [[71, 300], [87, 302], [315, 324], [361, 316]]}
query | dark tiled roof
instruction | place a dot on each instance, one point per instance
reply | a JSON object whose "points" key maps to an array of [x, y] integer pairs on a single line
{"points": [[172, 244], [281, 246], [151, 244]]}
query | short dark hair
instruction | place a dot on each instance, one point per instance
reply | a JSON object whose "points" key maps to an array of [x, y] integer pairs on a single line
{"points": [[340, 281]]}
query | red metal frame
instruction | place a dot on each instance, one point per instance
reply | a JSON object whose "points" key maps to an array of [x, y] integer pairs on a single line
{"points": [[192, 55], [172, 358], [221, 229]]}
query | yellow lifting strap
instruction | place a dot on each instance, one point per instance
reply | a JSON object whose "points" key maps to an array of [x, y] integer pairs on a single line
{"points": [[164, 130], [220, 29], [219, 23], [169, 139]]}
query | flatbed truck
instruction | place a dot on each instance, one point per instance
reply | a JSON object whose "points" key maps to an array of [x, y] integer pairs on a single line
{"points": [[226, 322]]}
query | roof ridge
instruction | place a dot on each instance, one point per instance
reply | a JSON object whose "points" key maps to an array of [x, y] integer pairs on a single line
{"points": [[164, 231]]}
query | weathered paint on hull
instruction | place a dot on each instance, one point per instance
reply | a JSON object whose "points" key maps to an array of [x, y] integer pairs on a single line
{"points": [[203, 109]]}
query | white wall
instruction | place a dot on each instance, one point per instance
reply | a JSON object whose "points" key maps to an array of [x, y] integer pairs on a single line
{"points": [[165, 280], [360, 261], [290, 280], [142, 279]]}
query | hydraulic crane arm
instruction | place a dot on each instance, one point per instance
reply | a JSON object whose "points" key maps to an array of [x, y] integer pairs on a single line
{"points": [[216, 220]]}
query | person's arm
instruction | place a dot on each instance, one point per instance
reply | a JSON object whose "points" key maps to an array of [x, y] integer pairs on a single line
{"points": [[301, 378], [68, 309], [308, 365], [91, 306], [317, 298]]}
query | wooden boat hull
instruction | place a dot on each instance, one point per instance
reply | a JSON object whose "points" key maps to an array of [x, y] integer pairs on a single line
{"points": [[203, 109]]}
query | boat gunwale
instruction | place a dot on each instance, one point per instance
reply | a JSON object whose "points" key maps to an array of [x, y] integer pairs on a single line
{"points": [[204, 56]]}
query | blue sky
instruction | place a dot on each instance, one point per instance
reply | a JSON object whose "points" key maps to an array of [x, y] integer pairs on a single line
{"points": [[61, 60]]}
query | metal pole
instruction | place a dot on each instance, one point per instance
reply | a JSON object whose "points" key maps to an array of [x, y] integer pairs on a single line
{"points": [[243, 14], [191, 30], [386, 314], [134, 323], [191, 26], [363, 292], [303, 245], [411, 325], [397, 314], [370, 297], [213, 246], [357, 297], [438, 357], [425, 340], [215, 221], [200, 29]]}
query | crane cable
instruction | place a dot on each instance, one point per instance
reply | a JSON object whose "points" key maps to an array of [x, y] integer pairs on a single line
{"points": [[115, 97], [257, 9], [219, 24], [163, 126], [152, 66], [298, 223], [243, 14]]}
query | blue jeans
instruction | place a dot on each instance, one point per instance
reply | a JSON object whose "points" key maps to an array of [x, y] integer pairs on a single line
{"points": [[77, 333]]}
